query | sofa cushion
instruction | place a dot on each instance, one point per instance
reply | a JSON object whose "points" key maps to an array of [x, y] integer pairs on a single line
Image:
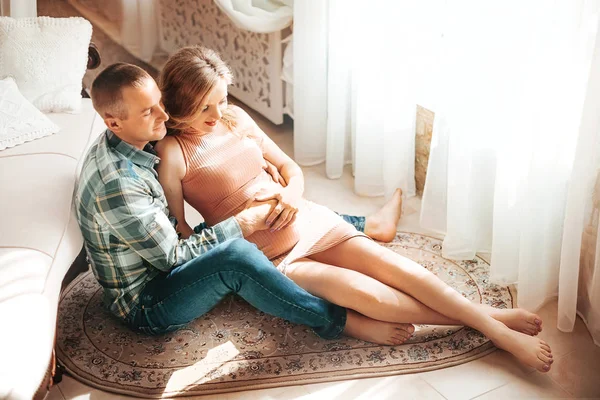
{"points": [[74, 136], [47, 57], [20, 121], [22, 271], [26, 348], [36, 201]]}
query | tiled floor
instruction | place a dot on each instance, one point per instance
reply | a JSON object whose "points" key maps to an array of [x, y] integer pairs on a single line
{"points": [[497, 376]]}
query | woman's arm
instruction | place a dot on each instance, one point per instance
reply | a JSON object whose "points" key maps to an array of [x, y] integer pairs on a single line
{"points": [[291, 194], [171, 171]]}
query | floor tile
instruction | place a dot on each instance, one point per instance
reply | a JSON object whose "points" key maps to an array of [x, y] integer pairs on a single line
{"points": [[218, 396], [578, 372], [73, 389], [562, 342], [533, 386], [474, 378], [55, 394], [280, 393], [384, 388]]}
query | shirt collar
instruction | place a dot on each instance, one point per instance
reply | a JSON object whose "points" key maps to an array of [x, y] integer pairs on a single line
{"points": [[143, 158]]}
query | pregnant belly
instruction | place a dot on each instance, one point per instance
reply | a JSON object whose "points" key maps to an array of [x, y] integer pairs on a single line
{"points": [[273, 244]]}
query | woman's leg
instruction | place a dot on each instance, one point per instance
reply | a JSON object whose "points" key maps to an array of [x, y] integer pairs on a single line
{"points": [[171, 301], [369, 258], [370, 297]]}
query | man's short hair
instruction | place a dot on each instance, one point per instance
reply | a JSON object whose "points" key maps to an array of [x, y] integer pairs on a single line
{"points": [[107, 95]]}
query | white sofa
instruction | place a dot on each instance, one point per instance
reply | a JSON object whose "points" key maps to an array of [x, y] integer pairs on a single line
{"points": [[39, 240]]}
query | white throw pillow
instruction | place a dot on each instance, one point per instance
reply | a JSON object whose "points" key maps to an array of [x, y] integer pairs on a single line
{"points": [[20, 121], [47, 57]]}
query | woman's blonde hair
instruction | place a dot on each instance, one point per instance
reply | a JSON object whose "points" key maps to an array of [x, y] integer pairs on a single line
{"points": [[187, 77]]}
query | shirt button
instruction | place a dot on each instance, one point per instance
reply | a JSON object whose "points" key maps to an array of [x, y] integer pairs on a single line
{"points": [[152, 225], [156, 161]]}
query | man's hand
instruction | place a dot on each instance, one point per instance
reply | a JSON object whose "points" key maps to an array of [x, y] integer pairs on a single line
{"points": [[285, 211], [254, 217]]}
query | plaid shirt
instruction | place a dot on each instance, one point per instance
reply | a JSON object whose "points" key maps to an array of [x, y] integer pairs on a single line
{"points": [[123, 215]]}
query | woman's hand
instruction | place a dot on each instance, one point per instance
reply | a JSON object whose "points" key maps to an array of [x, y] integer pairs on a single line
{"points": [[274, 172], [184, 230], [284, 212]]}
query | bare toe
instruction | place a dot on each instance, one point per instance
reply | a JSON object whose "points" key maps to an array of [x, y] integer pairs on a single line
{"points": [[545, 359], [546, 353], [544, 368], [396, 341], [530, 332], [545, 346], [410, 328]]}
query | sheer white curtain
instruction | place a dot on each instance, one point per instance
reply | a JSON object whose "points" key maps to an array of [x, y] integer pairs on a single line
{"points": [[515, 99], [509, 105], [140, 27], [353, 96], [579, 279], [131, 23]]}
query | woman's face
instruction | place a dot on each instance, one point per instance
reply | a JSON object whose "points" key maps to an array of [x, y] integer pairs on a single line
{"points": [[211, 109]]}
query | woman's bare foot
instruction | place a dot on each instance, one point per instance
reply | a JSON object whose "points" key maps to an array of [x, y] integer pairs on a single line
{"points": [[527, 349], [372, 330], [382, 225], [518, 319]]}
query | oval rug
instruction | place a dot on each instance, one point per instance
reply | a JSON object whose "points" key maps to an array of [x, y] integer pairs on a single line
{"points": [[236, 347]]}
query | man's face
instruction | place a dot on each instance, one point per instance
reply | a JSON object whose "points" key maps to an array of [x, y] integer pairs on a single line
{"points": [[146, 115]]}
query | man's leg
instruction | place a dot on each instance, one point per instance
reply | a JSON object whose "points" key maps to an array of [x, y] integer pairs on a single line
{"points": [[382, 224], [171, 301]]}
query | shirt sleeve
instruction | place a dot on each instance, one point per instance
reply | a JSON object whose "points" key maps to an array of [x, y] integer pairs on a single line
{"points": [[136, 217]]}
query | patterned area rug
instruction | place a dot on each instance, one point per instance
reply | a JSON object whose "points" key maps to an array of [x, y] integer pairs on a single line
{"points": [[236, 347]]}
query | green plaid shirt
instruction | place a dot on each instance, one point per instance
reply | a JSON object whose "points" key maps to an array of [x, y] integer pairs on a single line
{"points": [[123, 215]]}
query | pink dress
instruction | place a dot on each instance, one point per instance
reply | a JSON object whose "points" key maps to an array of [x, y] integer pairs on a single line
{"points": [[224, 170]]}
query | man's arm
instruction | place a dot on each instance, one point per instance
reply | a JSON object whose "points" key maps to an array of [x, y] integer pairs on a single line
{"points": [[135, 217]]}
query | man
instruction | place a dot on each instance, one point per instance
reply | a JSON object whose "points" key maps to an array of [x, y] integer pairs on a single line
{"points": [[152, 280]]}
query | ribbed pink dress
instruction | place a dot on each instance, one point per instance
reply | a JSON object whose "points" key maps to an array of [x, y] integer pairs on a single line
{"points": [[224, 170]]}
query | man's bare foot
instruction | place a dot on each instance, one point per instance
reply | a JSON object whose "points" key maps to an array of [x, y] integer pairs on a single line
{"points": [[372, 330], [529, 350], [518, 319], [382, 225]]}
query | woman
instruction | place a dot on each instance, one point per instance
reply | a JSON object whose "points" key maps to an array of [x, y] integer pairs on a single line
{"points": [[214, 160]]}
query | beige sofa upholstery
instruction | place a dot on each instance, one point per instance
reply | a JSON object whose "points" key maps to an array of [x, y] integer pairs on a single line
{"points": [[39, 240]]}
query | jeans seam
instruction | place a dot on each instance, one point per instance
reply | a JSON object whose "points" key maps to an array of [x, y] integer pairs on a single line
{"points": [[255, 281]]}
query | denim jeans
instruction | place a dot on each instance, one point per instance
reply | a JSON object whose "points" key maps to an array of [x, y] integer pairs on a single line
{"points": [[173, 299], [358, 222]]}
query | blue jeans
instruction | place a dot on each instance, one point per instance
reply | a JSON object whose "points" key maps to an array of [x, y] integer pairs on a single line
{"points": [[358, 222], [172, 300]]}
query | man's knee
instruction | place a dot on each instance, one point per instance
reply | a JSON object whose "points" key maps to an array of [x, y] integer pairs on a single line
{"points": [[238, 246], [243, 256]]}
